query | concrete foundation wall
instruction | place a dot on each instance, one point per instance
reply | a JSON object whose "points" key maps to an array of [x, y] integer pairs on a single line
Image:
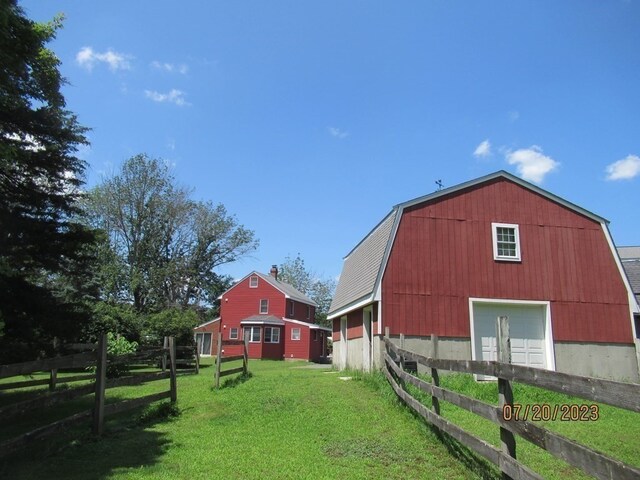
{"points": [[602, 360], [354, 354]]}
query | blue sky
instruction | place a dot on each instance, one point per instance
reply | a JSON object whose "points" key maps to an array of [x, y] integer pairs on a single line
{"points": [[310, 120]]}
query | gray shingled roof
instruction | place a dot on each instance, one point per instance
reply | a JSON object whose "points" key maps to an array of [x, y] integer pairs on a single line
{"points": [[287, 289], [627, 253], [263, 319], [632, 267], [362, 264]]}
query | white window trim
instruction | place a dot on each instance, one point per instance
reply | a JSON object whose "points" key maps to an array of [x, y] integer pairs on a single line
{"points": [[251, 278], [272, 330], [251, 340], [264, 300], [231, 335], [299, 334], [494, 236]]}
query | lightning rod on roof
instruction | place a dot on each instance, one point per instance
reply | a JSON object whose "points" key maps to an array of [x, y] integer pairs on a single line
{"points": [[440, 185]]}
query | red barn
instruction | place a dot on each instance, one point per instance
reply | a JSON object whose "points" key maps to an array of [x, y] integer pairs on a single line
{"points": [[451, 262], [277, 319]]}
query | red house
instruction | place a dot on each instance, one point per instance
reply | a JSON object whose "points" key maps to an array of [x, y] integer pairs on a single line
{"points": [[451, 262], [276, 318]]}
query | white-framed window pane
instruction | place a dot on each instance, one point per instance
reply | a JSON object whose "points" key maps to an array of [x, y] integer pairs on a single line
{"points": [[253, 282], [255, 335], [506, 242], [291, 308], [233, 333], [314, 335], [264, 306], [295, 334], [308, 312], [275, 335]]}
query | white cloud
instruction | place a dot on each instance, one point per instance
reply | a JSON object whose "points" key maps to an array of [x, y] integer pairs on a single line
{"points": [[336, 132], [174, 96], [170, 67], [624, 169], [531, 163], [483, 150], [87, 58]]}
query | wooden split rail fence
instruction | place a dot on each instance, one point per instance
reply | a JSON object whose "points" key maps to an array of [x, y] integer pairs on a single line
{"points": [[220, 359], [99, 359], [622, 395]]}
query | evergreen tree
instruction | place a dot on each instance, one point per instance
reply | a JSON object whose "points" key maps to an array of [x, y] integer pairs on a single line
{"points": [[44, 250]]}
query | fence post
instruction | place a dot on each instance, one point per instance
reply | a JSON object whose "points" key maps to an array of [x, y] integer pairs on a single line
{"points": [[245, 355], [198, 346], [165, 345], [53, 377], [505, 393], [101, 379], [434, 373], [172, 369], [402, 347], [218, 360]]}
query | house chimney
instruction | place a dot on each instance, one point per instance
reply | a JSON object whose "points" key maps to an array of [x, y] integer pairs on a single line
{"points": [[274, 271]]}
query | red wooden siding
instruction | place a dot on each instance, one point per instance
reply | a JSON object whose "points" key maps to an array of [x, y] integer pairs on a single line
{"points": [[354, 324], [443, 254], [300, 311], [335, 335], [298, 349]]}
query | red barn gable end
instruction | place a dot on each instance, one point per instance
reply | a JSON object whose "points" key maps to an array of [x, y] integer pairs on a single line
{"points": [[433, 266], [277, 319]]}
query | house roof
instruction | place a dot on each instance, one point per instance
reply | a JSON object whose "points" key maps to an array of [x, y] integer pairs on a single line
{"points": [[288, 290], [207, 323], [312, 326], [262, 320], [363, 266], [632, 269], [629, 253]]}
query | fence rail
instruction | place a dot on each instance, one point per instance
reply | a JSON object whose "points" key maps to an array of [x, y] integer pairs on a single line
{"points": [[590, 461], [97, 357], [220, 359]]}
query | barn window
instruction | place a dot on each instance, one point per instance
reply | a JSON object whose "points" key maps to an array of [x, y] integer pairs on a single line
{"points": [[314, 335], [295, 334], [506, 241], [253, 281], [308, 312], [271, 335], [291, 308], [253, 333], [233, 333], [264, 305]]}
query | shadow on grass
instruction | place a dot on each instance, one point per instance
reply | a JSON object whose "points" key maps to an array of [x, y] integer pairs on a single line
{"points": [[128, 442], [239, 380]]}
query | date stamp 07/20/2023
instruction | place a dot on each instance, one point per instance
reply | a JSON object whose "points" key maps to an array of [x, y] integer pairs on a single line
{"points": [[543, 412]]}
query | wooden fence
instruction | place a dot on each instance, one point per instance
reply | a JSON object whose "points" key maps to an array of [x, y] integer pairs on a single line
{"points": [[220, 359], [622, 395], [98, 358]]}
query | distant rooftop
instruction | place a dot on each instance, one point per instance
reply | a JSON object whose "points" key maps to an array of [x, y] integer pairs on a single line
{"points": [[629, 253]]}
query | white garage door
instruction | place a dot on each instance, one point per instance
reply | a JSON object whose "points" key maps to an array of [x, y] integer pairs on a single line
{"points": [[526, 327]]}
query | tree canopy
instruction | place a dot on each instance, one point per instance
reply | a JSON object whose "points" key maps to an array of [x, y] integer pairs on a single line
{"points": [[44, 249], [294, 272], [161, 246]]}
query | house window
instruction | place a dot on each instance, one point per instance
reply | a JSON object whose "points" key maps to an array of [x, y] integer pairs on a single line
{"points": [[271, 335], [233, 333], [308, 312], [314, 335], [253, 333], [264, 306], [253, 281], [506, 242], [295, 334], [291, 308]]}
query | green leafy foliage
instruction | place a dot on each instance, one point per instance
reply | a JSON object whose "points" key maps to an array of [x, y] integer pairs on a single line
{"points": [[118, 345], [172, 322]]}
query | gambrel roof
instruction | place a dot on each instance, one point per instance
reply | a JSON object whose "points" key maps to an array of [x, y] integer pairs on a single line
{"points": [[364, 265]]}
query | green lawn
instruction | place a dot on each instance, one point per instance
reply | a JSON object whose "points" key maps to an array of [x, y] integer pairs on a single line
{"points": [[284, 422]]}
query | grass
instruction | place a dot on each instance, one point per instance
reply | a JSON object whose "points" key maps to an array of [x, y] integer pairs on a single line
{"points": [[282, 421], [615, 433], [286, 421]]}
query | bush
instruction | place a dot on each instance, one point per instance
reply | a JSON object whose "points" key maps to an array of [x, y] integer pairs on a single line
{"points": [[118, 345], [171, 322], [121, 320]]}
